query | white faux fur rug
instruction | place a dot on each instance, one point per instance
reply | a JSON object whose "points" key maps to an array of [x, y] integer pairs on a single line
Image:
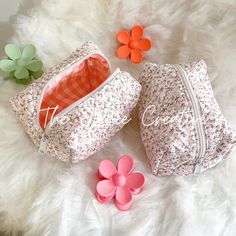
{"points": [[45, 197]]}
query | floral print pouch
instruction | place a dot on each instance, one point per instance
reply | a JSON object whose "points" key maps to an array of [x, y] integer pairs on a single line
{"points": [[182, 127], [74, 109]]}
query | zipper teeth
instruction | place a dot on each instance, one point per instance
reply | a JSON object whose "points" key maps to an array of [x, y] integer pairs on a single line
{"points": [[197, 113], [73, 105]]}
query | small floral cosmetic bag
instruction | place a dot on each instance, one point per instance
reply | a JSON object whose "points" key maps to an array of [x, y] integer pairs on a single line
{"points": [[182, 127], [74, 109]]}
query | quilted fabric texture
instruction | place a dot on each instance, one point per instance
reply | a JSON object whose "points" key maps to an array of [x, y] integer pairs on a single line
{"points": [[89, 116], [182, 127]]}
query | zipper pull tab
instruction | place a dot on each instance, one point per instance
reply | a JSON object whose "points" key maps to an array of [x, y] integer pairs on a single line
{"points": [[198, 167], [43, 145]]}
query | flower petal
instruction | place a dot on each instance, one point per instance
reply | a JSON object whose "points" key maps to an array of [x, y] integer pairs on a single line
{"points": [[123, 37], [21, 73], [104, 199], [144, 44], [29, 51], [136, 56], [123, 51], [34, 65], [24, 81], [123, 198], [125, 165], [12, 51], [106, 169], [105, 188], [7, 65], [135, 181], [136, 32], [37, 74]]}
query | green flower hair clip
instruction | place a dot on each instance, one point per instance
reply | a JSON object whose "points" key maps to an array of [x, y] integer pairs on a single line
{"points": [[21, 65]]}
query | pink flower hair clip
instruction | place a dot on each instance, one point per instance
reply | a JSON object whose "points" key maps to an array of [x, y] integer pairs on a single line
{"points": [[118, 182]]}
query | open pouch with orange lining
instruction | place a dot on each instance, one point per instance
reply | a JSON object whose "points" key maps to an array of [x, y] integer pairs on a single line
{"points": [[75, 107]]}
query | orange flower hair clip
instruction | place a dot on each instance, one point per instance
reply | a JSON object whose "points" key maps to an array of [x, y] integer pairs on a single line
{"points": [[133, 44]]}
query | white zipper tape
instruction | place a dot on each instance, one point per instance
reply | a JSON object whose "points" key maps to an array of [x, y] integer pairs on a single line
{"points": [[42, 145], [197, 113]]}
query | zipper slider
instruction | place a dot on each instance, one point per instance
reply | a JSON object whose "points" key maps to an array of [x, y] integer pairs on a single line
{"points": [[43, 144]]}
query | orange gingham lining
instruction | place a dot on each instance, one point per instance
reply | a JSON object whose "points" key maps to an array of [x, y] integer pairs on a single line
{"points": [[80, 81]]}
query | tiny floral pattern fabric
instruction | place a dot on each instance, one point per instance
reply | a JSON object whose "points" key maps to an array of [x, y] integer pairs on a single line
{"points": [[118, 182], [133, 44], [85, 128], [173, 144]]}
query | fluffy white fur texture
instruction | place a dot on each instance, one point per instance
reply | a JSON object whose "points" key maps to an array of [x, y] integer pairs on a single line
{"points": [[41, 196]]}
